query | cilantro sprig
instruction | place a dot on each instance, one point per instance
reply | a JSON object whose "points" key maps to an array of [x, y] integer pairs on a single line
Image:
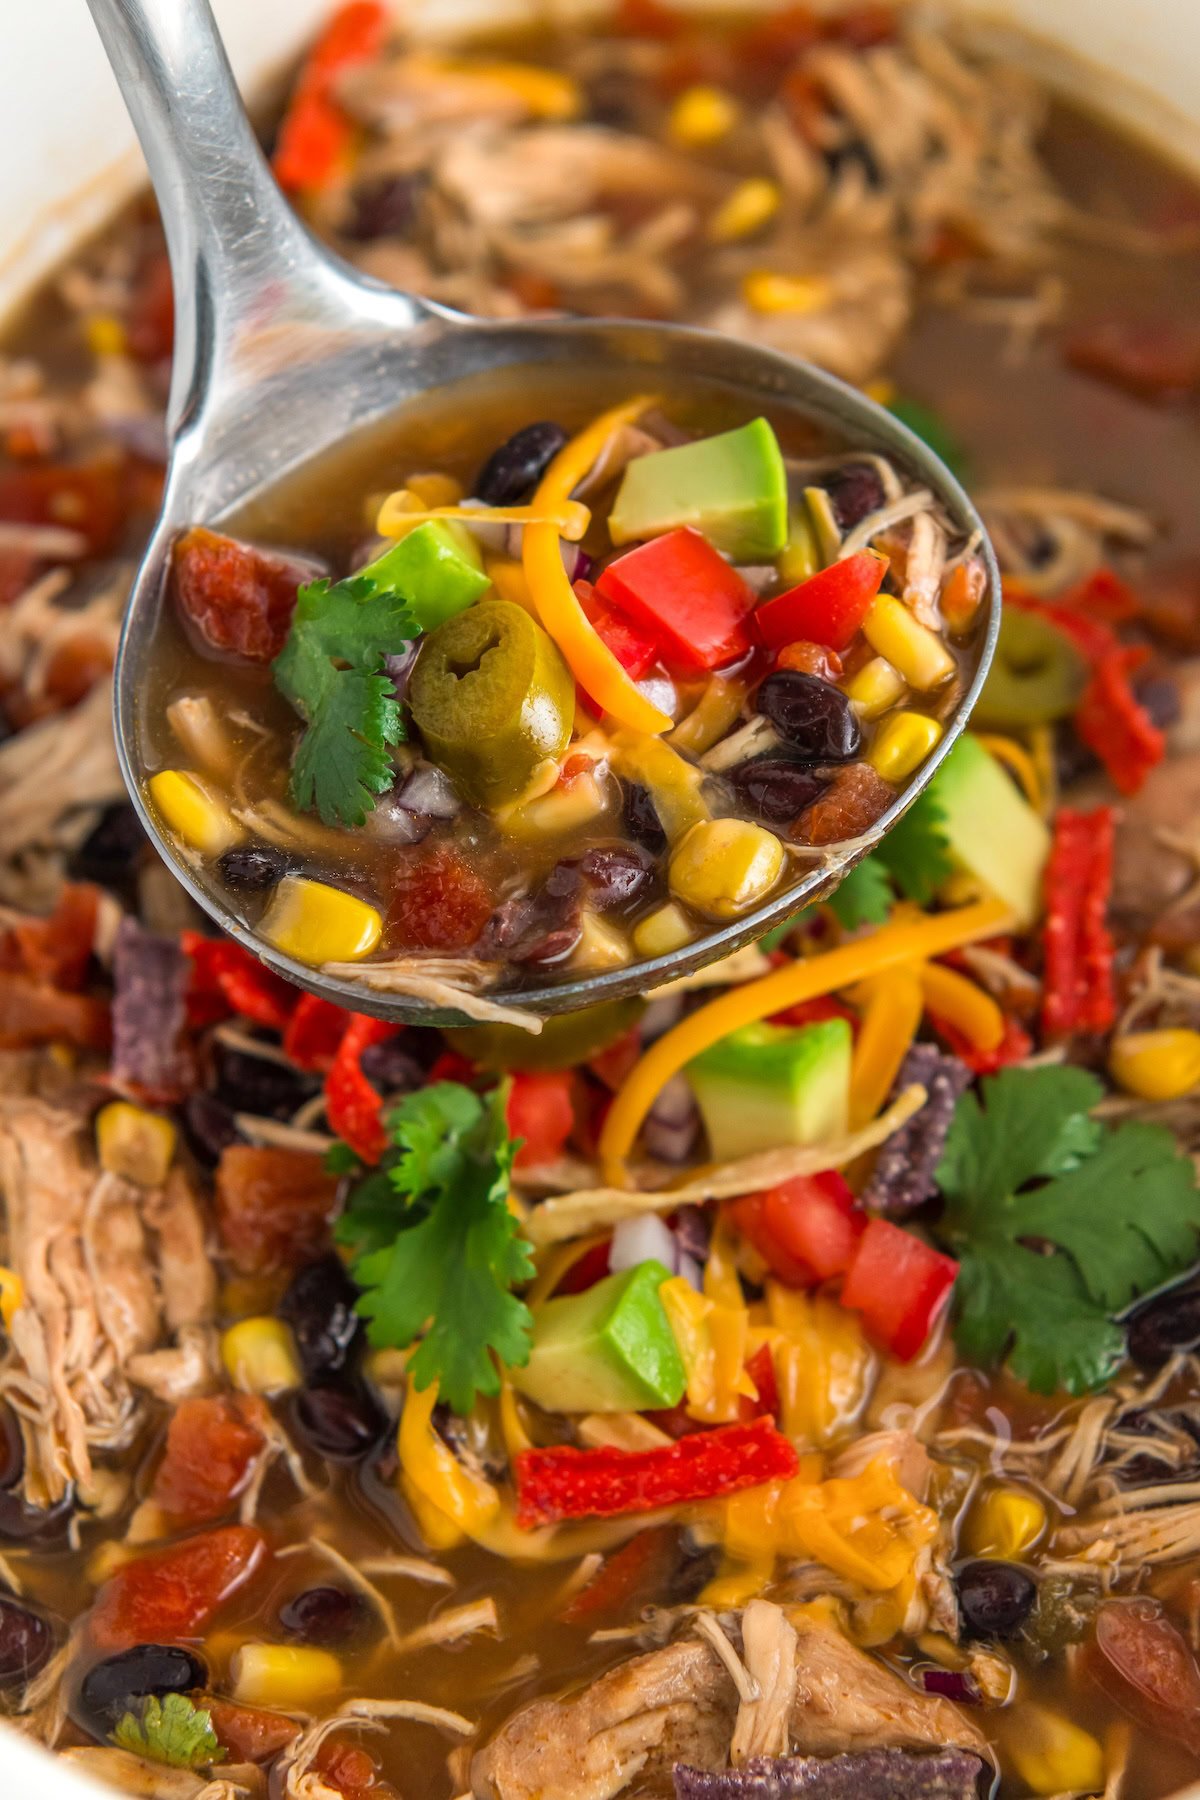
{"points": [[434, 1245], [1059, 1222], [912, 860], [173, 1730], [331, 670]]}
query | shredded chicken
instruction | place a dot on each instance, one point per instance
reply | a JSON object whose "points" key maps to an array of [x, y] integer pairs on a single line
{"points": [[769, 1647]]}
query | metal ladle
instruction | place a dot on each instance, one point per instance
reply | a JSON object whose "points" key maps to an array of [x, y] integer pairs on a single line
{"points": [[282, 351]]}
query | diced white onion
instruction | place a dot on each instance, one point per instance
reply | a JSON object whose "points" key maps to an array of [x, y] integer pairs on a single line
{"points": [[642, 1240]]}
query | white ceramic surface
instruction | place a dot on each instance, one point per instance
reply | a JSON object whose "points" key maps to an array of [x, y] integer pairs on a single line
{"points": [[67, 157]]}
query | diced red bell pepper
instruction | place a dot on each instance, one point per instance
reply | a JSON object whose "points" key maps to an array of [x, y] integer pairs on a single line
{"points": [[1077, 985], [273, 1206], [212, 1443], [226, 978], [681, 589], [56, 949], [828, 608], [175, 1593], [32, 1012], [247, 1734], [565, 1483], [899, 1285], [316, 134], [353, 1107], [637, 1567], [314, 1031], [541, 1110], [635, 648], [1014, 1046], [238, 598]]}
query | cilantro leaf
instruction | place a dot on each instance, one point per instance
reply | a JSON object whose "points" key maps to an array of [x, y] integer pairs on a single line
{"points": [[330, 669], [863, 897], [173, 1730], [435, 1247], [1041, 1212], [916, 851]]}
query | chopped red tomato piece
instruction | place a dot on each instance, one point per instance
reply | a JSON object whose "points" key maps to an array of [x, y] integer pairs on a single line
{"points": [[175, 1593], [1147, 1667], [811, 659], [748, 1217], [899, 1285], [353, 1105], [57, 949], [852, 802], [316, 134], [32, 1012], [828, 608], [247, 1734], [86, 497], [351, 1772], [541, 1110], [806, 1230], [637, 1567], [684, 592], [273, 1206], [635, 648], [761, 1369], [212, 1443], [239, 598], [438, 902], [314, 1031]]}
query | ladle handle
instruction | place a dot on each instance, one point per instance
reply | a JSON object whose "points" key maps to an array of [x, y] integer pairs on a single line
{"points": [[242, 263]]}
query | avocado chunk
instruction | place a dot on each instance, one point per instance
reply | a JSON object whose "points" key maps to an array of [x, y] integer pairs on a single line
{"points": [[732, 488], [438, 567], [993, 832], [769, 1085], [609, 1349]]}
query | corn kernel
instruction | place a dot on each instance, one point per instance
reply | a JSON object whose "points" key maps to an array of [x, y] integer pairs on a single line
{"points": [[317, 923], [283, 1675], [601, 945], [902, 743], [918, 653], [1156, 1065], [563, 809], [135, 1144], [1051, 1754], [1006, 1522], [546, 93], [873, 688], [667, 928], [12, 1293], [723, 867], [701, 115], [768, 291], [260, 1357], [881, 391], [192, 812], [106, 335], [435, 489], [751, 205]]}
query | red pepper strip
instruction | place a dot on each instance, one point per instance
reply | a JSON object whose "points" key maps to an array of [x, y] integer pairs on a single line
{"points": [[565, 1483], [1103, 595], [1077, 992], [223, 971], [684, 592], [315, 133], [314, 1032], [828, 608], [1110, 720], [899, 1285], [621, 1575], [353, 1107], [1014, 1046]]}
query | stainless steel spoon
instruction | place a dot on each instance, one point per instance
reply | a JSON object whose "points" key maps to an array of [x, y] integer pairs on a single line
{"points": [[282, 351]]}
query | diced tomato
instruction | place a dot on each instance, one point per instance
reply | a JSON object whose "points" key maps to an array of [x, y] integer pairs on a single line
{"points": [[748, 1217], [1156, 359], [635, 648], [56, 949], [586, 1271], [687, 595], [76, 666], [828, 608], [899, 1285], [273, 1206], [212, 1443], [32, 1012], [247, 1734], [314, 1031], [150, 327], [1014, 1046], [353, 1105], [761, 1369], [852, 802], [811, 659], [351, 1772], [438, 902], [86, 497], [452, 1065], [541, 1110], [1144, 1664], [637, 1567], [239, 599], [175, 1593], [816, 1012], [817, 1220]]}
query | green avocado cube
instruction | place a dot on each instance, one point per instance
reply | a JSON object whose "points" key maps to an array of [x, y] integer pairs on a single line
{"points": [[732, 488], [609, 1349], [993, 832], [770, 1085], [437, 567]]}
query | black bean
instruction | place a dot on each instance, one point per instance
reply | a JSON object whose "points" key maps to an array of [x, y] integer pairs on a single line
{"points": [[856, 155], [259, 1084], [26, 1641], [615, 874], [319, 1306], [513, 470], [994, 1598], [391, 1066], [339, 1420], [384, 207], [252, 868], [641, 819], [812, 716], [321, 1615], [1159, 696], [45, 1526], [774, 789], [111, 1687], [208, 1127], [110, 851], [1168, 1323], [12, 1450], [854, 491]]}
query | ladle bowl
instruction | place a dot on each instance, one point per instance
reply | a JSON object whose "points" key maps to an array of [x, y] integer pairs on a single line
{"points": [[283, 352]]}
